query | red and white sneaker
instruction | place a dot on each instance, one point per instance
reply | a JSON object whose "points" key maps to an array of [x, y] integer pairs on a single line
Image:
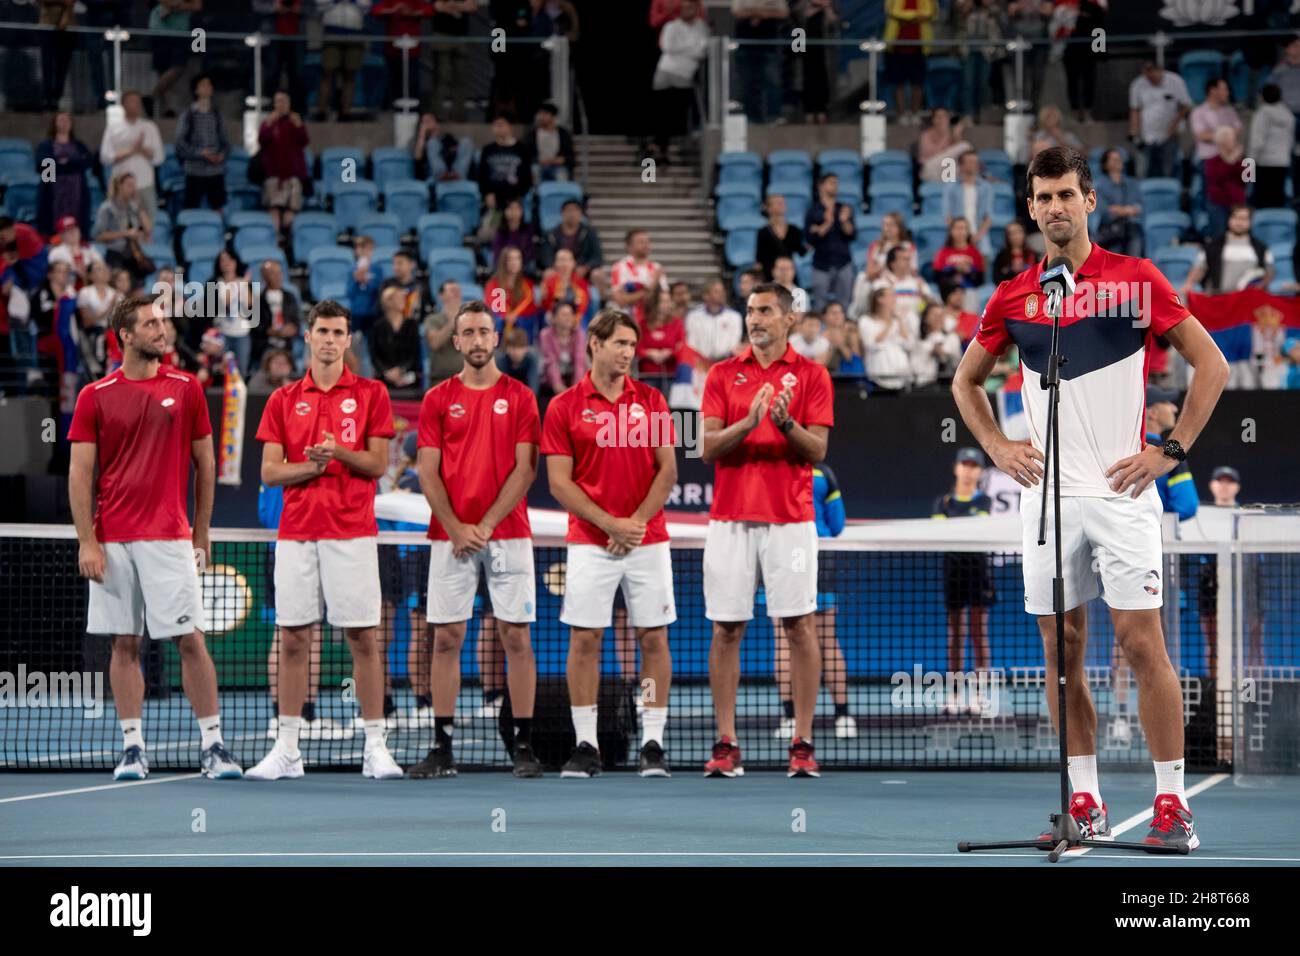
{"points": [[1090, 818], [725, 761], [802, 761], [1172, 824]]}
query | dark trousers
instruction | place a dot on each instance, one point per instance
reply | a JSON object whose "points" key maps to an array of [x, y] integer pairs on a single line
{"points": [[1270, 187], [1081, 75], [56, 57], [282, 57]]}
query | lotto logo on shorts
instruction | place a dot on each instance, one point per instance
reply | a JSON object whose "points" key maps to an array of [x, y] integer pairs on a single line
{"points": [[348, 406], [501, 406], [302, 408], [456, 411], [1152, 582]]}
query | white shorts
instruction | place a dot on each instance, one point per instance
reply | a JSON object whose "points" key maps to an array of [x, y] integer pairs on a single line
{"points": [[512, 585], [736, 552], [340, 576], [592, 576], [1110, 547], [153, 582]]}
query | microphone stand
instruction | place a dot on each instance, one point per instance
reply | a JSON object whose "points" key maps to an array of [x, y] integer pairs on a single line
{"points": [[1064, 833]]}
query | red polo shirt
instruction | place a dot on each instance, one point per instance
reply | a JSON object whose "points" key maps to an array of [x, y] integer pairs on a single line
{"points": [[339, 503], [763, 478], [142, 430], [612, 445], [477, 429]]}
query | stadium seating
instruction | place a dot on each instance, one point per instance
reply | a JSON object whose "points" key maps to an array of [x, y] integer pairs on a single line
{"points": [[310, 230], [847, 166], [438, 230], [17, 155], [744, 168], [890, 165], [1198, 67], [741, 246], [551, 198], [390, 164], [21, 189], [457, 264], [891, 196], [996, 164], [1284, 266], [251, 228], [382, 261], [200, 228], [255, 255], [789, 167], [1004, 202], [797, 200], [1175, 262], [982, 295], [237, 168], [1160, 194], [736, 199], [929, 233], [162, 225], [408, 200], [329, 268], [160, 252], [1163, 229], [334, 165], [352, 201], [461, 198], [383, 227], [1272, 226], [868, 226], [931, 195]]}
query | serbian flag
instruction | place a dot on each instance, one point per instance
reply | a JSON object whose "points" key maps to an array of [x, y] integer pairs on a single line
{"points": [[1011, 407], [234, 408], [1220, 312]]}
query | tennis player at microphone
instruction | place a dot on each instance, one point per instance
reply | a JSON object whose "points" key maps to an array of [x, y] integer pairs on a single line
{"points": [[1113, 308]]}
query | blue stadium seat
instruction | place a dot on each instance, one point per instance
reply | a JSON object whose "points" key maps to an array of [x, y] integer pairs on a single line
{"points": [[789, 166], [390, 164], [311, 230], [551, 198], [1283, 265], [803, 268], [1163, 229], [734, 200], [1175, 262], [1272, 226], [868, 227], [162, 226], [160, 252], [742, 242], [943, 82], [438, 230], [1160, 194], [334, 164], [352, 201], [890, 166], [21, 189], [1197, 67], [797, 200], [408, 200], [383, 227], [382, 262], [245, 198], [1004, 202], [254, 256], [847, 165], [200, 228], [931, 195], [745, 168], [893, 196], [928, 232], [997, 164], [170, 177], [201, 252], [455, 263], [982, 295], [237, 168], [463, 199], [328, 268], [201, 268], [1239, 77], [252, 228], [17, 155]]}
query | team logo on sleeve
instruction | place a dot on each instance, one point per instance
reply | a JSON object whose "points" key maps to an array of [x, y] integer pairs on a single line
{"points": [[789, 380], [635, 411], [457, 410], [302, 408], [588, 416], [501, 406], [1031, 306], [348, 406], [168, 402]]}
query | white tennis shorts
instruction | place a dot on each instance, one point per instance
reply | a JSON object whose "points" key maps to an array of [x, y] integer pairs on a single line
{"points": [[153, 582], [339, 576], [512, 585], [1110, 547], [736, 553], [592, 576]]}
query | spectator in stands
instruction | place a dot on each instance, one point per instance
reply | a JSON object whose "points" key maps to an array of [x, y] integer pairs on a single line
{"points": [[120, 279], [281, 23], [563, 348], [908, 20], [279, 325], [809, 339], [958, 263], [937, 351], [276, 369], [977, 24], [211, 359], [133, 144], [439, 330], [1231, 261], [1027, 19], [758, 63], [783, 274], [402, 18], [518, 359], [57, 46], [778, 238], [748, 279], [892, 233], [577, 237], [662, 335], [170, 53], [911, 290], [598, 281], [562, 284], [1120, 203], [887, 339], [447, 71], [713, 330], [1015, 256], [513, 232], [363, 286], [830, 231], [1079, 60], [121, 226], [235, 305], [632, 277], [1051, 132], [395, 343], [23, 250], [95, 304], [75, 251], [510, 295], [1272, 143], [551, 146], [439, 155], [63, 190], [340, 55], [416, 302], [53, 300], [1158, 101], [283, 137], [504, 166], [846, 359], [1213, 114], [202, 148], [820, 21], [1225, 174], [680, 294], [684, 42], [971, 198], [940, 144], [958, 319]]}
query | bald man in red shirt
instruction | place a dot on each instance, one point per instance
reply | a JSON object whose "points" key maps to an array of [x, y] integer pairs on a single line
{"points": [[767, 415]]}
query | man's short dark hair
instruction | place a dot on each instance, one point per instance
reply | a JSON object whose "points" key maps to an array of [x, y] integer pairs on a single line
{"points": [[784, 300], [606, 322], [328, 309], [127, 311], [446, 282], [680, 282], [893, 254], [199, 78], [1237, 206], [1058, 161], [406, 254], [549, 107], [1271, 93], [503, 115], [627, 238], [1214, 81], [472, 307], [570, 202]]}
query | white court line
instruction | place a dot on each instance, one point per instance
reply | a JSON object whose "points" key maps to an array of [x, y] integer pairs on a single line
{"points": [[107, 786], [1141, 817]]}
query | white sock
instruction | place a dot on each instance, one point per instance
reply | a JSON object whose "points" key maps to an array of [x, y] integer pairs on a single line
{"points": [[374, 734], [1083, 776], [290, 728], [584, 724], [1169, 779], [653, 721], [210, 731], [132, 735]]}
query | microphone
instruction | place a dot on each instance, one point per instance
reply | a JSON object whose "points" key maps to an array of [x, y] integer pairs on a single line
{"points": [[1057, 281]]}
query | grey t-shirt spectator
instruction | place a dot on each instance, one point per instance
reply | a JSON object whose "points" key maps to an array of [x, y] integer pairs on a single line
{"points": [[113, 217]]}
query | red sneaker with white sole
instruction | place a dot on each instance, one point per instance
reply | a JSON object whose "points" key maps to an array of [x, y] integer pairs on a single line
{"points": [[802, 761], [1172, 824], [725, 761]]}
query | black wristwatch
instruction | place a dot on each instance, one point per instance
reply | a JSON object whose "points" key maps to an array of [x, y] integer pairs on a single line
{"points": [[1174, 449], [786, 426]]}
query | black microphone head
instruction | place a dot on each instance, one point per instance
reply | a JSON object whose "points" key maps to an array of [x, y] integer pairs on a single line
{"points": [[1058, 273], [1058, 263]]}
